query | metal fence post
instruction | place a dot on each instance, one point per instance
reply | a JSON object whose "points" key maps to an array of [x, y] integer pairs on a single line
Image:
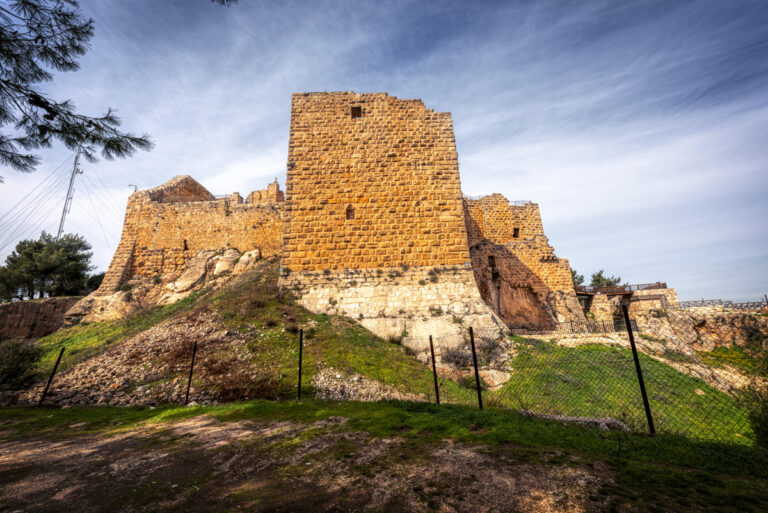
{"points": [[477, 374], [301, 350], [572, 331], [434, 370], [191, 368], [638, 370], [50, 379], [603, 321]]}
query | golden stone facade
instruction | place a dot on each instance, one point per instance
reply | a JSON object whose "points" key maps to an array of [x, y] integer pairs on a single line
{"points": [[515, 267], [372, 225], [166, 226]]}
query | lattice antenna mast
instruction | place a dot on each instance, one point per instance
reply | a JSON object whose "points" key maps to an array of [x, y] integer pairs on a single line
{"points": [[70, 191]]}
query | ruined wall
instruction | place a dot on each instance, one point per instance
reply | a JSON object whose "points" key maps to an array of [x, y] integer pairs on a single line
{"points": [[516, 269], [166, 226], [35, 318], [373, 184]]}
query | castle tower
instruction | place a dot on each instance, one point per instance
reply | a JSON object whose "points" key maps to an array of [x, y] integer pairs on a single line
{"points": [[374, 219]]}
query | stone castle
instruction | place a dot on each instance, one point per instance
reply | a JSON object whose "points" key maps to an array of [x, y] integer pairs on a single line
{"points": [[373, 225]]}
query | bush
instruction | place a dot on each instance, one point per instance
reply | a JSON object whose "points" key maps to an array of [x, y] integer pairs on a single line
{"points": [[17, 364], [489, 350], [457, 357]]}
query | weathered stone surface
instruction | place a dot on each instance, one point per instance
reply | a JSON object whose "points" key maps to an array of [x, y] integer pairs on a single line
{"points": [[35, 318], [167, 226], [194, 273], [374, 220], [226, 263], [247, 260], [516, 269]]}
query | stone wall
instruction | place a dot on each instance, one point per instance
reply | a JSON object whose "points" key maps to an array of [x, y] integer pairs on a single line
{"points": [[166, 226], [35, 318], [516, 269], [643, 301], [373, 184]]}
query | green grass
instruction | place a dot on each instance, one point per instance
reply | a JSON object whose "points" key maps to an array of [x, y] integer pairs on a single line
{"points": [[648, 472], [83, 341], [596, 381], [733, 356], [271, 319], [592, 380]]}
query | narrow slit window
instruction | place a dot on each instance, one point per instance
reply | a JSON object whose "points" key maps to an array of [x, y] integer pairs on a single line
{"points": [[516, 233], [357, 112], [492, 262], [350, 212], [185, 245]]}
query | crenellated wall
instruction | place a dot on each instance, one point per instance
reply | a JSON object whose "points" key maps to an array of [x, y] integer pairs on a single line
{"points": [[166, 226]]}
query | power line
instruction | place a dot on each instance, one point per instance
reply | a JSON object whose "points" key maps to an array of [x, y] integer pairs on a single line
{"points": [[40, 184], [33, 202]]}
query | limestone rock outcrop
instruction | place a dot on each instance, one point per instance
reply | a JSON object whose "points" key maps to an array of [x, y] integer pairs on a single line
{"points": [[35, 318]]}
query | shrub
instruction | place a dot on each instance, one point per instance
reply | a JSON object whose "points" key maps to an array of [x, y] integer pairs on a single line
{"points": [[17, 364], [468, 381], [457, 357], [489, 349]]}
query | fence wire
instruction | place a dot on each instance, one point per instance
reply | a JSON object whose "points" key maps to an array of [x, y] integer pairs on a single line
{"points": [[694, 387]]}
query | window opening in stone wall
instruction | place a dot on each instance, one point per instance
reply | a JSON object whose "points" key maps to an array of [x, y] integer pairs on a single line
{"points": [[185, 245], [516, 233], [492, 262], [357, 112], [350, 212]]}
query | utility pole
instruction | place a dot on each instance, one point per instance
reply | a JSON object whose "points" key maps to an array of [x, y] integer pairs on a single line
{"points": [[70, 192]]}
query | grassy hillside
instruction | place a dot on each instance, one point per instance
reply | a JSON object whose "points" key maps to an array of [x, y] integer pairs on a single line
{"points": [[594, 381]]}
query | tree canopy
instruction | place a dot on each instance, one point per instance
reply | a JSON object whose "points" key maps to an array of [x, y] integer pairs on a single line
{"points": [[600, 280], [47, 267], [578, 279], [37, 38]]}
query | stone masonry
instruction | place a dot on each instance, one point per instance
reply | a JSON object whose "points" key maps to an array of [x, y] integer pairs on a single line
{"points": [[373, 225], [516, 269], [165, 227], [374, 221]]}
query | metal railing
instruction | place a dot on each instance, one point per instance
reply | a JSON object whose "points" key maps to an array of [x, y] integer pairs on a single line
{"points": [[735, 305], [619, 289]]}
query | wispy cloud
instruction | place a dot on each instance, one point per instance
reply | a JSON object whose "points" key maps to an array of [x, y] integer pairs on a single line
{"points": [[639, 127]]}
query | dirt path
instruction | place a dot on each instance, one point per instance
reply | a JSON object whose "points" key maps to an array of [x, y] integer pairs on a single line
{"points": [[201, 464]]}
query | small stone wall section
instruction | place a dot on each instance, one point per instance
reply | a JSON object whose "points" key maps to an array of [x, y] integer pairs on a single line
{"points": [[35, 318]]}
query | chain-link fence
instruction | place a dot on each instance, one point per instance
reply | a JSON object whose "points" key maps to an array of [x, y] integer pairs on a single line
{"points": [[585, 377], [703, 370]]}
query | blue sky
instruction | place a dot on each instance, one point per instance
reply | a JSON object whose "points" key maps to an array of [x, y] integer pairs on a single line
{"points": [[641, 128]]}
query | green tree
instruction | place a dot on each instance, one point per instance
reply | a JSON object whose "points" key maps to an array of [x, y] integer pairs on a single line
{"points": [[37, 38], [578, 279], [46, 267], [600, 280]]}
